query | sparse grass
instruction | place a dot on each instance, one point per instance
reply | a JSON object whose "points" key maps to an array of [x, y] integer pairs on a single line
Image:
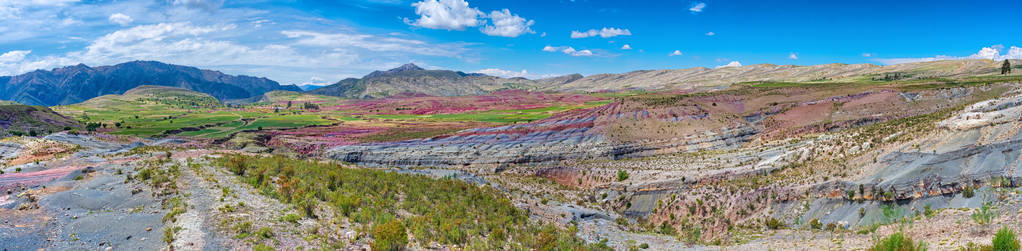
{"points": [[898, 242], [984, 215], [168, 234]]}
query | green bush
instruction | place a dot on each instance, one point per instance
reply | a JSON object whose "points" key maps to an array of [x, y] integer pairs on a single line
{"points": [[390, 235], [622, 175], [984, 215], [898, 242], [968, 192], [291, 218], [815, 224], [1005, 240], [261, 247], [773, 223]]}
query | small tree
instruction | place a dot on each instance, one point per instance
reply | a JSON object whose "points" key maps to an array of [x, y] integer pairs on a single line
{"points": [[1006, 67], [622, 175]]}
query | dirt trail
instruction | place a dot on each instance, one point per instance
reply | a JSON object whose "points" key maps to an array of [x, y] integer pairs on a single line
{"points": [[193, 223]]}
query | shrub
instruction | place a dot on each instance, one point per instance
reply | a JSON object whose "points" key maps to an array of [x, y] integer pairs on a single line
{"points": [[898, 242], [622, 175], [390, 235], [773, 223], [292, 218], [815, 224], [968, 192], [168, 234], [984, 215], [261, 247], [1005, 240], [264, 232]]}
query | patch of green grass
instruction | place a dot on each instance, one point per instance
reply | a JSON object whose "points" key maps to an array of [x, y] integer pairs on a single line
{"points": [[898, 242]]}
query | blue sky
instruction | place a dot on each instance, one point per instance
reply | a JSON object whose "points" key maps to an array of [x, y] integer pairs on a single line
{"points": [[297, 42]]}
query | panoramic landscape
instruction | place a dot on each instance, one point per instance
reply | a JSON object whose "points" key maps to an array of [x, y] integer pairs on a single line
{"points": [[492, 125]]}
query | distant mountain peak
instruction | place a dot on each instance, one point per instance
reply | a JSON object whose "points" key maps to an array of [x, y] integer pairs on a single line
{"points": [[407, 67]]}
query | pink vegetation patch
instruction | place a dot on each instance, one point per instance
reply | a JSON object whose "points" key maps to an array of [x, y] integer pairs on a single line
{"points": [[311, 140], [501, 100]]}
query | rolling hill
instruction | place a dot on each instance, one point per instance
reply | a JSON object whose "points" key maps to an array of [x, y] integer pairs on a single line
{"points": [[29, 120], [73, 84]]}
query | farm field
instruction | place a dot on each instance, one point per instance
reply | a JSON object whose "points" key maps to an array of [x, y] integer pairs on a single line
{"points": [[304, 121]]}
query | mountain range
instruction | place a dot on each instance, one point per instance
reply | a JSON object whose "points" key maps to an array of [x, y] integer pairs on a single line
{"points": [[411, 78], [74, 84]]}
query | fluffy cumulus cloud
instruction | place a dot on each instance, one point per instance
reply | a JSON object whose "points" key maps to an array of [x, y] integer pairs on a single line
{"points": [[458, 15], [675, 53], [731, 64], [569, 51], [120, 18], [506, 24], [793, 56], [626, 47], [710, 33], [995, 52], [697, 7], [604, 33], [503, 73], [446, 15], [13, 56]]}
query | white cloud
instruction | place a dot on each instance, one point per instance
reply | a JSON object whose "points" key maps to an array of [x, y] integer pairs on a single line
{"points": [[604, 33], [731, 64], [569, 51], [120, 18], [506, 24], [293, 59], [710, 33], [12, 9], [675, 53], [581, 53], [503, 73], [209, 5], [13, 56], [542, 35], [626, 47], [371, 43], [793, 56], [992, 53], [445, 14], [867, 54], [697, 7]]}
